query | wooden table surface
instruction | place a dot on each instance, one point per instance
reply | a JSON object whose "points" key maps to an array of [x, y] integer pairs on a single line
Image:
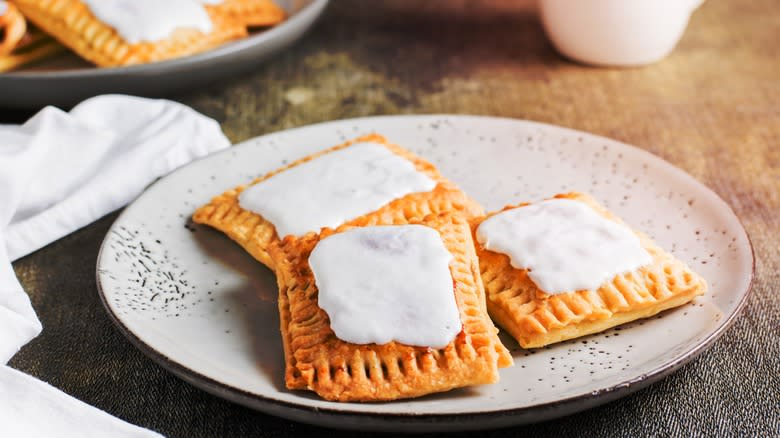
{"points": [[711, 108]]}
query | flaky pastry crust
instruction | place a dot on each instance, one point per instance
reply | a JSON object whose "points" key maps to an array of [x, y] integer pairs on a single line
{"points": [[255, 234], [73, 24], [338, 370], [535, 318]]}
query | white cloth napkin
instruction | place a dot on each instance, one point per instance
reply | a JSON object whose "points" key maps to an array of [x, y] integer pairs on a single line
{"points": [[59, 172]]}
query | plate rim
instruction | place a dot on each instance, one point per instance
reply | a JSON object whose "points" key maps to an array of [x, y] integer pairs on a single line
{"points": [[315, 7], [429, 422]]}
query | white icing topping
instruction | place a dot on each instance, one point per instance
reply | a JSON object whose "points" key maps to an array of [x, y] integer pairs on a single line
{"points": [[387, 283], [209, 2], [564, 244], [150, 20], [333, 189]]}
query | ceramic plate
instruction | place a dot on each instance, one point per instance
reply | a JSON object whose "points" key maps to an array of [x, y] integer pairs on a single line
{"points": [[193, 301], [66, 80]]}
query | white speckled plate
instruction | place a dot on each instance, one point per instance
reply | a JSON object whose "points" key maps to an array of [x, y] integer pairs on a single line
{"points": [[196, 303]]}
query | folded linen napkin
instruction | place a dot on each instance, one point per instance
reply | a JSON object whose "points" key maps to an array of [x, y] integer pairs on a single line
{"points": [[59, 172]]}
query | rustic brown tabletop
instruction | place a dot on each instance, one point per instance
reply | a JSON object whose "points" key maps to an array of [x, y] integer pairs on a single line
{"points": [[710, 108]]}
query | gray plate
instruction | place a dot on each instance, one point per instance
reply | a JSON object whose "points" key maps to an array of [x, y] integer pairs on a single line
{"points": [[66, 80]]}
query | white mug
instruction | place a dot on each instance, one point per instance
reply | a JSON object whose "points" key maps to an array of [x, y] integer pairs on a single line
{"points": [[616, 32]]}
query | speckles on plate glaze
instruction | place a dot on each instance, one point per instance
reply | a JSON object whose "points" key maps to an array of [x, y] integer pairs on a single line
{"points": [[497, 162], [154, 280], [536, 163], [607, 356], [549, 162]]}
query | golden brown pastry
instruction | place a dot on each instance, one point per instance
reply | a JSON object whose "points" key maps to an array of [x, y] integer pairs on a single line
{"points": [[256, 234], [19, 44], [337, 370], [12, 27], [252, 13], [536, 318], [73, 24]]}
